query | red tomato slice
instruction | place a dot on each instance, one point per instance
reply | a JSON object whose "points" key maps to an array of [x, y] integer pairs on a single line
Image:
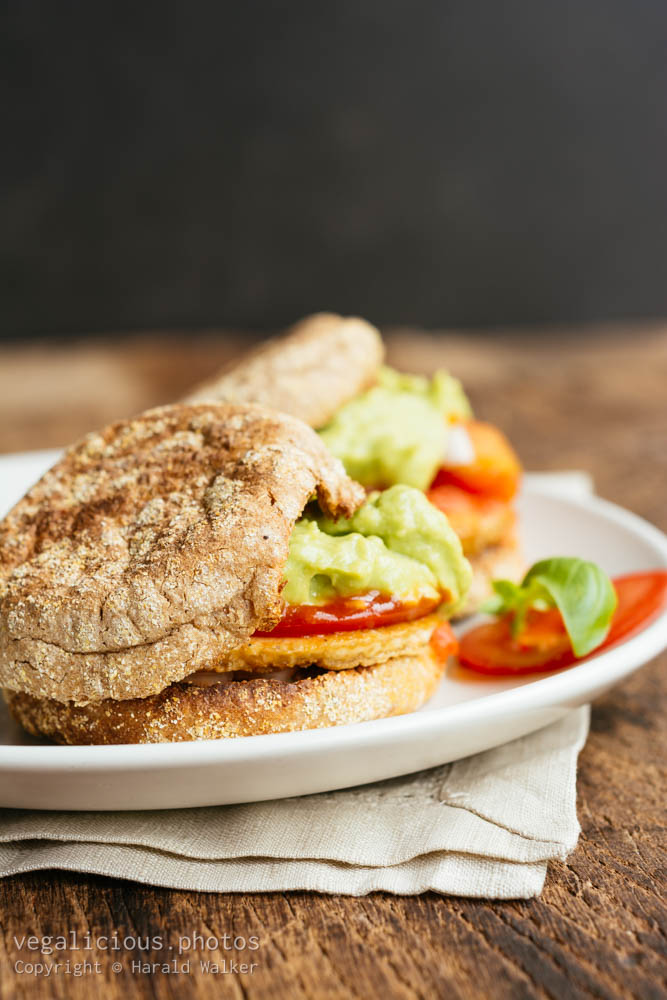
{"points": [[455, 501], [496, 470], [490, 649], [544, 643], [345, 614], [640, 597]]}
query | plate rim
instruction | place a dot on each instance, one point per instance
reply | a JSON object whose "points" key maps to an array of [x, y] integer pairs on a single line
{"points": [[540, 693]]}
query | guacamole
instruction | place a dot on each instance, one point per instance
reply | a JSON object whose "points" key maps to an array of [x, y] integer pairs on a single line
{"points": [[396, 432], [397, 543]]}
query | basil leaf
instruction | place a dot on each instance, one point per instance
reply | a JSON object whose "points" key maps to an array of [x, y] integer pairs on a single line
{"points": [[583, 594], [580, 590]]}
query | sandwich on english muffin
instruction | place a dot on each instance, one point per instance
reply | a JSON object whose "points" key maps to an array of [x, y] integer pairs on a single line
{"points": [[210, 570], [322, 362], [389, 428]]}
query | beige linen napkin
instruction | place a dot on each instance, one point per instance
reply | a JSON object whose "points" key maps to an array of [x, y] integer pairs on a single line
{"points": [[486, 826]]}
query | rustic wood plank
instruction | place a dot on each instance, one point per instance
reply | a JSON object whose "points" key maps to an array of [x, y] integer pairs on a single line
{"points": [[600, 927]]}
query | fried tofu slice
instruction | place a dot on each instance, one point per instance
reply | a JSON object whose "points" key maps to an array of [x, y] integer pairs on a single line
{"points": [[504, 561], [478, 521], [334, 651]]}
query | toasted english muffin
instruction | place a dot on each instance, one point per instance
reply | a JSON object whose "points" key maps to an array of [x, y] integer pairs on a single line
{"points": [[155, 546], [309, 372], [240, 708]]}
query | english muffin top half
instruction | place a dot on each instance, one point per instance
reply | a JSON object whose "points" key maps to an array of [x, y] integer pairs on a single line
{"points": [[312, 370], [155, 545]]}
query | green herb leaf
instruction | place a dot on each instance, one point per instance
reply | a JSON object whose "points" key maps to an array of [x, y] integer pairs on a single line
{"points": [[581, 591]]}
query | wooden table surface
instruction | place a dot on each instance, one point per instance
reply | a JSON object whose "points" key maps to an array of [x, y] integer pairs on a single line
{"points": [[587, 398]]}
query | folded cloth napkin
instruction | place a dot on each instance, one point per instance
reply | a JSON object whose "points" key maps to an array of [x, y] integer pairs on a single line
{"points": [[486, 826]]}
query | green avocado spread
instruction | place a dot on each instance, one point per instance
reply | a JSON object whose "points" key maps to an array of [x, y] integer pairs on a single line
{"points": [[397, 543], [396, 432]]}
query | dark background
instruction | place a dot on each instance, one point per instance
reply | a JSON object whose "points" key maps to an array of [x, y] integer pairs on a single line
{"points": [[205, 164]]}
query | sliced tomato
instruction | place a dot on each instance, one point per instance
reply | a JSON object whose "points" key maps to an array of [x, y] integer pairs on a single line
{"points": [[496, 470], [640, 597], [444, 642], [456, 501], [544, 644], [346, 614], [490, 649]]}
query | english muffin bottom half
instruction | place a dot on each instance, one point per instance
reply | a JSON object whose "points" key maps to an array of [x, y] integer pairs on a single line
{"points": [[209, 570]]}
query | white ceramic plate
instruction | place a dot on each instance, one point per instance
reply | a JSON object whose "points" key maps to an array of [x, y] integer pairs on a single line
{"points": [[466, 715]]}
